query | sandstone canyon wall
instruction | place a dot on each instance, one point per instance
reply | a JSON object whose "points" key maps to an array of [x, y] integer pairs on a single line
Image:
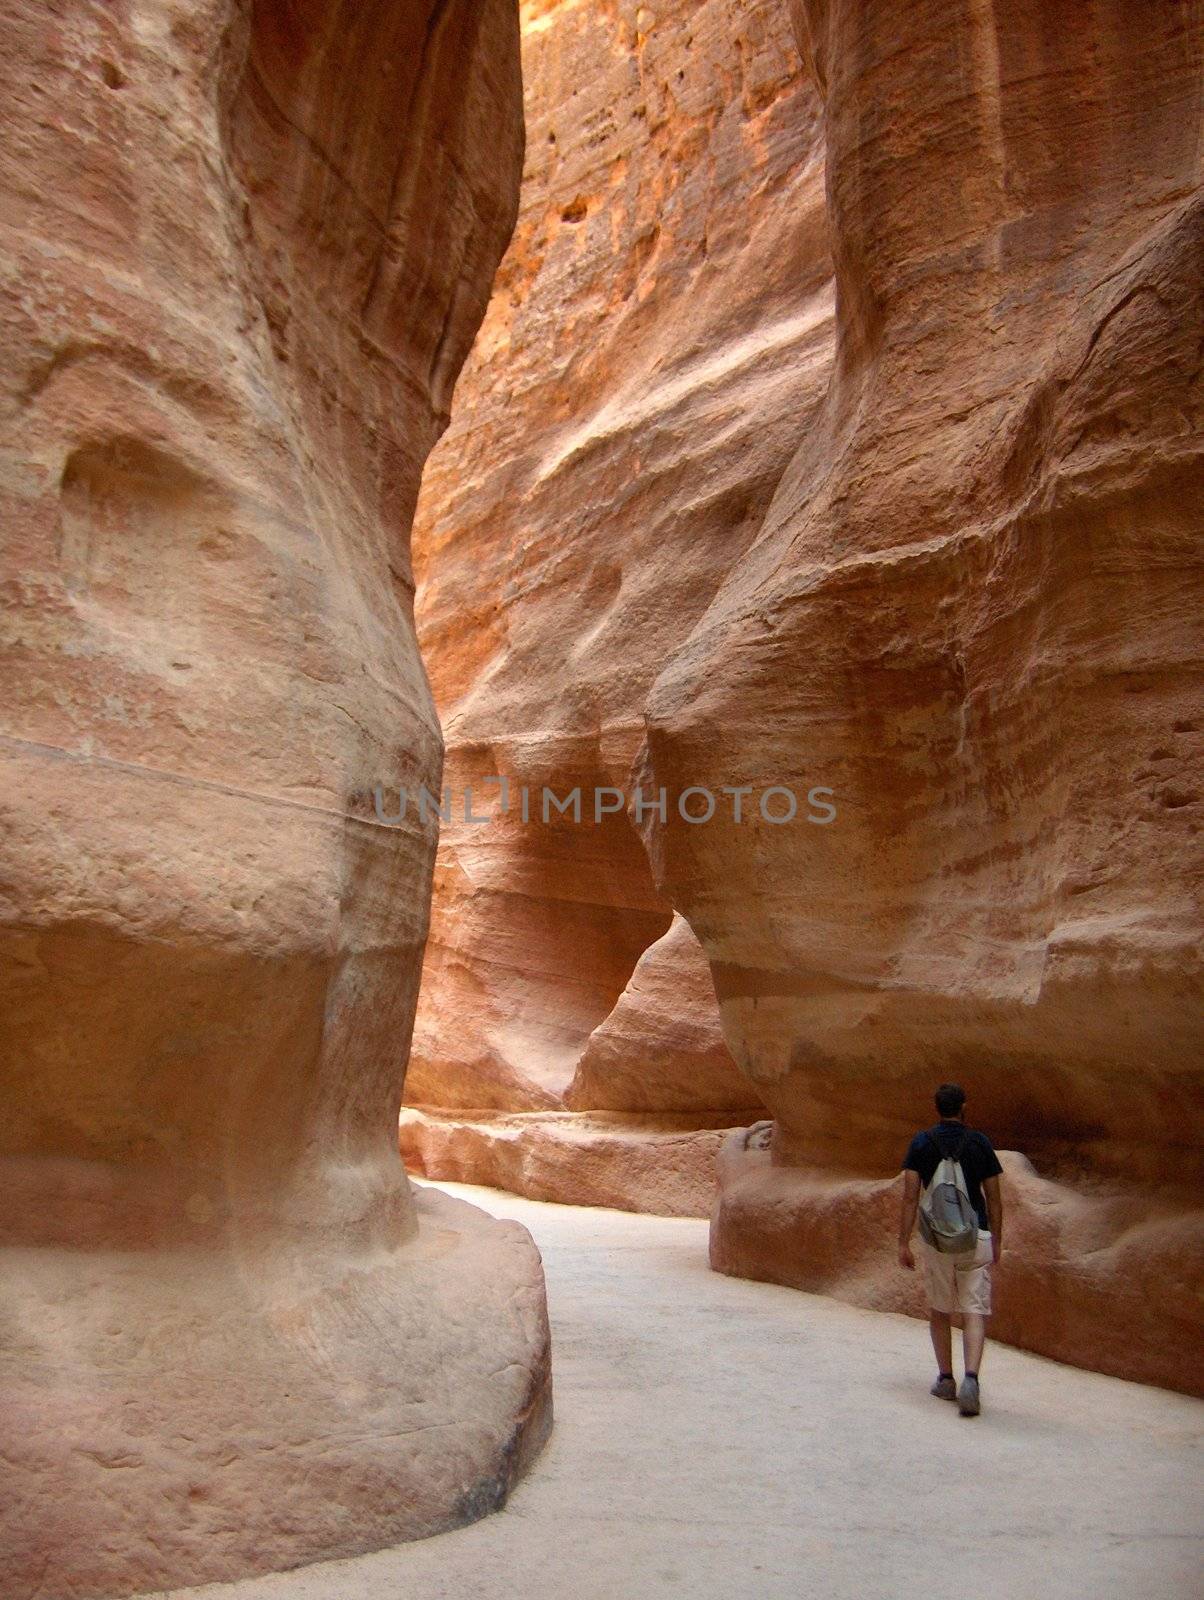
{"points": [[245, 250], [973, 609], [951, 572], [659, 329]]}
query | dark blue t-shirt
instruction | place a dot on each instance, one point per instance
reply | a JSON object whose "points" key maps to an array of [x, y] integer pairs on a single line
{"points": [[978, 1159]]}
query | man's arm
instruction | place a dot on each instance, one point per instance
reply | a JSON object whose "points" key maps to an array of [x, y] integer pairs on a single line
{"points": [[907, 1217], [993, 1195]]}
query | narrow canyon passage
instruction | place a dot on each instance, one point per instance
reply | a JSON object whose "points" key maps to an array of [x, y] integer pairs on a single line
{"points": [[834, 421], [717, 1437], [595, 598]]}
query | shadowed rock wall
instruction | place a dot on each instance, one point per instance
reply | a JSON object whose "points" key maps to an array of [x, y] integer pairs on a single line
{"points": [[245, 251]]}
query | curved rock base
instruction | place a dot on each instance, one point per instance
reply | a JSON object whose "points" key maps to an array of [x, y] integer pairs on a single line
{"points": [[663, 1164], [1100, 1279], [311, 1410]]}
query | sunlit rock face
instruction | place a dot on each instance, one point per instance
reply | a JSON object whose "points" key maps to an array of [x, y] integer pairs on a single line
{"points": [[660, 328], [973, 611], [245, 250]]}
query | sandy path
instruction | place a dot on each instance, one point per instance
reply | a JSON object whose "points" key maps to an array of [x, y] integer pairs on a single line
{"points": [[721, 1438]]}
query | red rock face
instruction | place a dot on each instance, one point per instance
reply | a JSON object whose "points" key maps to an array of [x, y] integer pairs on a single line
{"points": [[246, 249], [972, 611], [661, 325]]}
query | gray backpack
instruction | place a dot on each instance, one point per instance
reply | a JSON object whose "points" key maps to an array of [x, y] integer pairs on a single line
{"points": [[948, 1222]]}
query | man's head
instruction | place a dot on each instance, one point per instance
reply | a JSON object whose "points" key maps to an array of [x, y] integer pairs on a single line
{"points": [[950, 1098]]}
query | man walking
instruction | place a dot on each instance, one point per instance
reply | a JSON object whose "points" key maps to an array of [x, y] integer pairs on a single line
{"points": [[955, 1282]]}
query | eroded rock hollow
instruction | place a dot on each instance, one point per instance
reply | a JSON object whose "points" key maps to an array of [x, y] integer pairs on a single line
{"points": [[246, 248]]}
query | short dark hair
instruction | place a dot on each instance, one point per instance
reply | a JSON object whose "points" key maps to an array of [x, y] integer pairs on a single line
{"points": [[950, 1098]]}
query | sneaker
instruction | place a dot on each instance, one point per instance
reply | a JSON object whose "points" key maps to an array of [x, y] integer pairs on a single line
{"points": [[944, 1389], [968, 1402]]}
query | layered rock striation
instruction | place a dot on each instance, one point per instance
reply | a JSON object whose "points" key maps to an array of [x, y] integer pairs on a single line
{"points": [[245, 251], [659, 329]]}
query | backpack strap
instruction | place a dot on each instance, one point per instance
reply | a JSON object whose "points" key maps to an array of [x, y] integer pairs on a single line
{"points": [[954, 1155]]}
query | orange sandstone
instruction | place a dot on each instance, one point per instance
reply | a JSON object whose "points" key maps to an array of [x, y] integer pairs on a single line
{"points": [[246, 249], [659, 328], [973, 609]]}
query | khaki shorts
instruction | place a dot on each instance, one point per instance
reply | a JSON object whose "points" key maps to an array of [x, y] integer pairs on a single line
{"points": [[958, 1283]]}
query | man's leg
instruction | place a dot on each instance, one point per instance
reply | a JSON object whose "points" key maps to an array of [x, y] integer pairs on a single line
{"points": [[941, 1291], [974, 1297], [940, 1325]]}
